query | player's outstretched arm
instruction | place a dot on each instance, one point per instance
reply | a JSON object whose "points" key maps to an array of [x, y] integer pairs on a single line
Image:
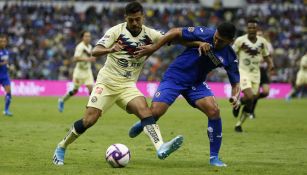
{"points": [[270, 63], [100, 50], [235, 95], [172, 35]]}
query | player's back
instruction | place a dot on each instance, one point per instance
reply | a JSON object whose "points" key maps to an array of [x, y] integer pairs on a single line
{"points": [[4, 56], [189, 68], [122, 67]]}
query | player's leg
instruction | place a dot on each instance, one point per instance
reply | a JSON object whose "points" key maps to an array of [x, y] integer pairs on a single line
{"points": [[166, 94], [8, 98], [138, 106], [247, 100], [264, 93], [201, 97], [98, 102], [79, 127], [77, 83]]}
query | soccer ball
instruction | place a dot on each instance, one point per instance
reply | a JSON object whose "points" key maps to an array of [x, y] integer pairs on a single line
{"points": [[118, 155]]}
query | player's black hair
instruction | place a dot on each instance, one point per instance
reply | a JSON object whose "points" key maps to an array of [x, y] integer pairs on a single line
{"points": [[227, 30], [82, 33], [252, 20], [133, 7]]}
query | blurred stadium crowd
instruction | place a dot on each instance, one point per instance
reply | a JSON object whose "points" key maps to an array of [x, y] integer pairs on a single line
{"points": [[42, 37]]}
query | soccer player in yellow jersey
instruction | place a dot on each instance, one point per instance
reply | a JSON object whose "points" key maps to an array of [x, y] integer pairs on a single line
{"points": [[251, 50], [83, 72], [116, 82], [301, 80]]}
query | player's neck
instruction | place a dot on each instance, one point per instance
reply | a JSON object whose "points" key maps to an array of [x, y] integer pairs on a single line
{"points": [[133, 33], [252, 39]]}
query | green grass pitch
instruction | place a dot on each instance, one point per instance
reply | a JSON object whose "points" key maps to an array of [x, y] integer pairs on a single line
{"points": [[274, 143]]}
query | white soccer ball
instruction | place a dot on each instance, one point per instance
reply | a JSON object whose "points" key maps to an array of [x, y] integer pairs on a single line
{"points": [[118, 155]]}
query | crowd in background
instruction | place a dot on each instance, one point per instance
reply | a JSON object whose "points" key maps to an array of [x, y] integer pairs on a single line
{"points": [[42, 38]]}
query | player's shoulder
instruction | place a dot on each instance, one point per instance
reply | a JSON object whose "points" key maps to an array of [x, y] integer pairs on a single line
{"points": [[118, 28], [241, 38], [150, 30], [262, 39]]}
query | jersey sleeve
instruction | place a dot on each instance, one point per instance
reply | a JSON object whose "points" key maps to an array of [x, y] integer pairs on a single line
{"points": [[265, 50], [233, 69], [155, 35], [78, 51], [236, 45], [109, 37], [193, 33]]}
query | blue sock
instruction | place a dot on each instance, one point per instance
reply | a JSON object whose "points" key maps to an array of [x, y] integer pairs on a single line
{"points": [[148, 121], [8, 97], [215, 136]]}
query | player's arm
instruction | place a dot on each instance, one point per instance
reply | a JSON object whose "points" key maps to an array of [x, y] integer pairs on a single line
{"points": [[269, 61], [100, 50], [5, 62], [235, 94]]}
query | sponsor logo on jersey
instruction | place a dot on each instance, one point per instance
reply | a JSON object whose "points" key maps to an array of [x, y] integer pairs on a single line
{"points": [[191, 29]]}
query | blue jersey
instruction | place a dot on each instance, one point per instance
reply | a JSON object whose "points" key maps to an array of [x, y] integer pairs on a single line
{"points": [[4, 56], [189, 68]]}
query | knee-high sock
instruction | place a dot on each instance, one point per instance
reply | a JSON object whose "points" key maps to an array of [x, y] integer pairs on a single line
{"points": [[151, 129], [76, 130], [214, 132], [69, 94], [8, 98]]}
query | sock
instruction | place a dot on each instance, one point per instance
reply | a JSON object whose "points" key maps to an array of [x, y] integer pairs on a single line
{"points": [[242, 118], [68, 95], [254, 105], [8, 97], [214, 132], [76, 130], [151, 129], [262, 95]]}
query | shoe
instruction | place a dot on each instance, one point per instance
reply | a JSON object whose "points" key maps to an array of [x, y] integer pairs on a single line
{"points": [[235, 112], [135, 130], [169, 147], [252, 116], [60, 105], [7, 113], [215, 161], [58, 157], [238, 129]]}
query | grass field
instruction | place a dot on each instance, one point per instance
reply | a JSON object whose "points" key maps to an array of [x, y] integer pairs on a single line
{"points": [[274, 143]]}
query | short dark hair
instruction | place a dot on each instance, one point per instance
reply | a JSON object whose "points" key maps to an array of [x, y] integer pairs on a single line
{"points": [[227, 30], [133, 7], [252, 20], [82, 33]]}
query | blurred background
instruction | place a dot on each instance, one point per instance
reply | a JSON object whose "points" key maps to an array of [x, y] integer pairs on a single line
{"points": [[43, 34]]}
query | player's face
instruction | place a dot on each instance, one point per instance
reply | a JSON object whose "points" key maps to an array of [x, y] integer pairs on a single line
{"points": [[135, 22], [86, 37], [219, 41], [3, 42], [252, 29]]}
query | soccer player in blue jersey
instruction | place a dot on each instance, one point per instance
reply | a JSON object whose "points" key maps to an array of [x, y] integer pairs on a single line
{"points": [[187, 76], [4, 75]]}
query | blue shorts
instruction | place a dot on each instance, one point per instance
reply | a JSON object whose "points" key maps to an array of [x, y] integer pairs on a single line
{"points": [[5, 81], [168, 91]]}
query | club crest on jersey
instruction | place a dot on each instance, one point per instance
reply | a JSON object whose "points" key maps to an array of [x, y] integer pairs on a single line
{"points": [[94, 99], [191, 29], [157, 94]]}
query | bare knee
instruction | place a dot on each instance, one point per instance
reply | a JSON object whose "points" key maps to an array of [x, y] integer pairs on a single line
{"points": [[213, 112], [91, 117]]}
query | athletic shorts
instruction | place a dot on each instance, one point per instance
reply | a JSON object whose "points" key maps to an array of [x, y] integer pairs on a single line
{"points": [[246, 82], [168, 91], [264, 77], [5, 81], [104, 96], [78, 81], [301, 78]]}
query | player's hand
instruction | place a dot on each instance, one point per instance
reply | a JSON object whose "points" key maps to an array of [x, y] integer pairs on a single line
{"points": [[146, 50], [235, 102], [91, 59], [204, 48], [117, 47]]}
